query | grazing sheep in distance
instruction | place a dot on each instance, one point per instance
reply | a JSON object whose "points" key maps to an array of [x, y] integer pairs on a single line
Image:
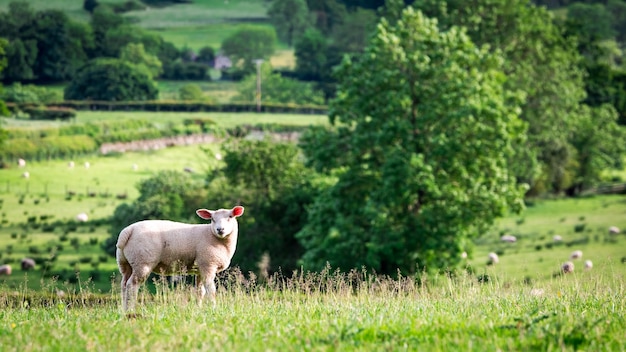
{"points": [[168, 247], [508, 238], [492, 258], [26, 175], [576, 255], [28, 264], [614, 230], [5, 269], [567, 267], [21, 162], [87, 165], [82, 217], [557, 238], [588, 264], [70, 165]]}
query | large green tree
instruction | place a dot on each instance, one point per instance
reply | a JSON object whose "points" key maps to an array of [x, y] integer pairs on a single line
{"points": [[248, 44], [421, 148], [111, 80], [290, 18]]}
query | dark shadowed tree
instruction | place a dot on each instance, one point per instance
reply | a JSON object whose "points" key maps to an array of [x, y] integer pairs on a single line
{"points": [[290, 18], [111, 80]]}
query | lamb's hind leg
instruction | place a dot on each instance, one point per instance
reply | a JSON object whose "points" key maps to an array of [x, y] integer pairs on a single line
{"points": [[136, 279], [126, 270]]}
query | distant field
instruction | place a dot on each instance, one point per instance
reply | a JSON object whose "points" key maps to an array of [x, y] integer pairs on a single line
{"points": [[537, 256], [202, 12]]}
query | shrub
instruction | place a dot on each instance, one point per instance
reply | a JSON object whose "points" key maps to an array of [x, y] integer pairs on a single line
{"points": [[579, 227]]}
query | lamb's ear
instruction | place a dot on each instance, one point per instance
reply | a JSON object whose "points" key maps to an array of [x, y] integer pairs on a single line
{"points": [[237, 211], [203, 213]]}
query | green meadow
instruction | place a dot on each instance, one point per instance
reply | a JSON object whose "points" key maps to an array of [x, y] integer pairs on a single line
{"points": [[330, 312], [521, 303]]}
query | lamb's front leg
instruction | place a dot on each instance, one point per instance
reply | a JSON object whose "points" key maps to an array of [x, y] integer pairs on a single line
{"points": [[207, 285]]}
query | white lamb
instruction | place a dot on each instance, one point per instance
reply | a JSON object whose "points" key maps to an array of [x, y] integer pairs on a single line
{"points": [[167, 247]]}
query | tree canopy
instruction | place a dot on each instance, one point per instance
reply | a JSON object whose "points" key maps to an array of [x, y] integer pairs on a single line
{"points": [[423, 138], [111, 80]]}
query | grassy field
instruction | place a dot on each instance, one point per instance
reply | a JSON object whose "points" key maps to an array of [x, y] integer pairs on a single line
{"points": [[521, 303], [328, 312]]}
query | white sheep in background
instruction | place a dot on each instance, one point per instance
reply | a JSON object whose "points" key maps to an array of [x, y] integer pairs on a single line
{"points": [[27, 264], [70, 165], [87, 165], [588, 264], [82, 217], [557, 238], [567, 267], [26, 175], [21, 162], [614, 230], [493, 258], [135, 167], [576, 255], [508, 238], [168, 247], [5, 269]]}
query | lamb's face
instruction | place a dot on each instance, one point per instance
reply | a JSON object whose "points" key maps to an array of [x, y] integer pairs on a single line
{"points": [[223, 221]]}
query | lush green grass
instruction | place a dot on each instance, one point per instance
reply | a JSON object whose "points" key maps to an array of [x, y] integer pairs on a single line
{"points": [[578, 312]]}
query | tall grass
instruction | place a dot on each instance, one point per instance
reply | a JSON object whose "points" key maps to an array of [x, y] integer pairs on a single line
{"points": [[331, 311]]}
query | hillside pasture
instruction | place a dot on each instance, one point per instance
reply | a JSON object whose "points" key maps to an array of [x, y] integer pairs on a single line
{"points": [[581, 223]]}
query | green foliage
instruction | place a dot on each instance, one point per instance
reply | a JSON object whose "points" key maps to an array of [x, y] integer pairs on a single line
{"points": [[190, 92], [544, 65], [310, 52], [90, 5], [181, 70], [111, 80], [327, 14], [248, 44], [594, 20], [290, 18], [206, 55], [353, 33], [30, 94], [136, 54], [599, 144], [52, 113], [277, 89], [43, 148], [428, 134]]}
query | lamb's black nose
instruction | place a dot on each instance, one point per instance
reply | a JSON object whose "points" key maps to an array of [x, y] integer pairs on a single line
{"points": [[220, 230]]}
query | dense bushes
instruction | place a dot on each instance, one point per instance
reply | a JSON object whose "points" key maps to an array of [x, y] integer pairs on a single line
{"points": [[111, 80], [51, 113]]}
